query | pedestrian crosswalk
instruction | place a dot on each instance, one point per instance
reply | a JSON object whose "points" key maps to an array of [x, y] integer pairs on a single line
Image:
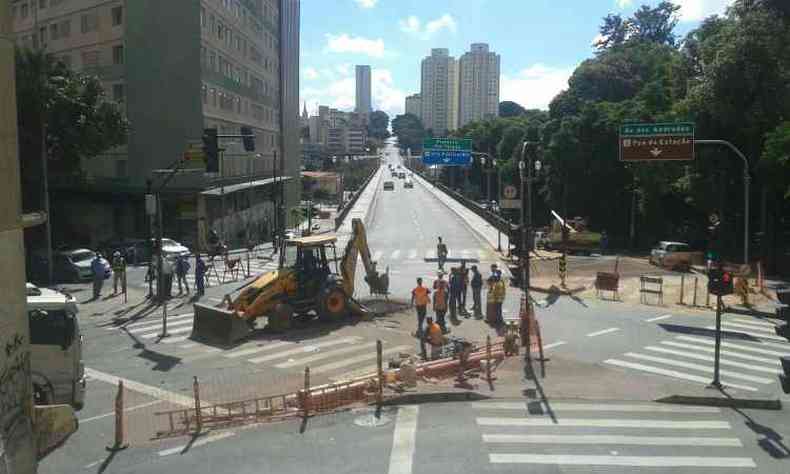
{"points": [[339, 358], [597, 435], [429, 254], [748, 363]]}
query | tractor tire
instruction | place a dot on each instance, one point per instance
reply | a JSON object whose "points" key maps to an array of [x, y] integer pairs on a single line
{"points": [[333, 304]]}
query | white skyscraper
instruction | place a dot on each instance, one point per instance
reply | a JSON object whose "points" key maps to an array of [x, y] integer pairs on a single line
{"points": [[413, 105], [479, 84], [363, 101], [439, 92]]}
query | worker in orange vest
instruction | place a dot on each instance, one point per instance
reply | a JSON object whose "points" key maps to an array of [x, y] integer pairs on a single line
{"points": [[440, 297], [435, 338], [420, 300]]}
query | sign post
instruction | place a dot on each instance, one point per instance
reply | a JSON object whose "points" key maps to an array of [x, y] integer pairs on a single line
{"points": [[447, 151], [510, 198], [657, 142]]}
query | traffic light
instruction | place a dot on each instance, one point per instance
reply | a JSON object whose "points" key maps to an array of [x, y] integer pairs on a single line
{"points": [[720, 282], [211, 149], [248, 138], [784, 377]]}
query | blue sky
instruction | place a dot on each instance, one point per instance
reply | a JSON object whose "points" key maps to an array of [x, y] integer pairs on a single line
{"points": [[540, 43]]}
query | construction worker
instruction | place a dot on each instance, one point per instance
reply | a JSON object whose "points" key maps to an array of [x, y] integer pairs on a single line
{"points": [[498, 289], [119, 272], [200, 275], [455, 293], [435, 337], [97, 266], [441, 254], [440, 297], [420, 300], [464, 273], [182, 268], [477, 287]]}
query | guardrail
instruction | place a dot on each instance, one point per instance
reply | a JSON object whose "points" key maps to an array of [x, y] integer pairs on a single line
{"points": [[351, 202], [497, 222]]}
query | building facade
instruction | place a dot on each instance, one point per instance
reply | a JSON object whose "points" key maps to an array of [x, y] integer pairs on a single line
{"points": [[439, 92], [479, 84], [413, 105], [363, 102], [175, 67]]}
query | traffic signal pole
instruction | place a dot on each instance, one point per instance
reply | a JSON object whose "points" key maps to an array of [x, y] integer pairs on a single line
{"points": [[716, 381]]}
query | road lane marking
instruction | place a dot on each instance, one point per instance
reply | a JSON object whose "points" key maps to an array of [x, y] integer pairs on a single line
{"points": [[774, 362], [199, 442], [671, 373], [173, 340], [658, 318], [395, 255], [709, 358], [750, 327], [613, 407], [754, 322], [404, 440], [325, 355], [112, 413], [602, 332], [178, 330], [554, 344], [150, 390], [301, 349], [700, 367], [606, 423], [612, 439], [632, 461], [734, 346], [149, 322], [749, 333], [256, 349], [170, 324], [355, 360]]}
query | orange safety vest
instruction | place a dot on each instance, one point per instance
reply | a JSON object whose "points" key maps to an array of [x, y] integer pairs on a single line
{"points": [[420, 296], [435, 336], [440, 297]]}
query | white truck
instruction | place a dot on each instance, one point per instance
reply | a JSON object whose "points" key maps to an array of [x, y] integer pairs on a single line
{"points": [[55, 348]]}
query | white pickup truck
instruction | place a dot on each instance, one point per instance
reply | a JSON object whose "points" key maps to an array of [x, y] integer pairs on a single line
{"points": [[55, 348]]}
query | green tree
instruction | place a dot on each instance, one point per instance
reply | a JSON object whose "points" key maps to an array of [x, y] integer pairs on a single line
{"points": [[379, 124], [775, 162], [613, 32], [510, 109], [410, 132]]}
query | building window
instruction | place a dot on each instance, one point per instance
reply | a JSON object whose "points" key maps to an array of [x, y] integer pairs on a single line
{"points": [[220, 29], [211, 22], [90, 22], [118, 93], [204, 93], [203, 17], [24, 10], [117, 54], [65, 28], [42, 3], [117, 16], [212, 61], [13, 12], [42, 35], [53, 31]]}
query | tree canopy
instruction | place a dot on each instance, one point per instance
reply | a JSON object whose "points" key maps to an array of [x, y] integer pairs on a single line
{"points": [[379, 125], [410, 132]]}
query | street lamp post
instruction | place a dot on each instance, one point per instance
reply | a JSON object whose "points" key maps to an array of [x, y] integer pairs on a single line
{"points": [[525, 173]]}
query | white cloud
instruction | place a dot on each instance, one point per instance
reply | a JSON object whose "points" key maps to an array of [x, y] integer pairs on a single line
{"points": [[413, 26], [624, 3], [696, 10], [340, 94], [535, 86], [367, 3], [343, 69], [344, 43], [311, 74]]}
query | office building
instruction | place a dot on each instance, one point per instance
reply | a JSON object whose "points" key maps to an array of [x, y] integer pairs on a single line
{"points": [[439, 92], [176, 67], [413, 105], [363, 104], [479, 84]]}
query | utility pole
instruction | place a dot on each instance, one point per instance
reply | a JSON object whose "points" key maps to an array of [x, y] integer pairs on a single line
{"points": [[148, 241], [48, 222]]}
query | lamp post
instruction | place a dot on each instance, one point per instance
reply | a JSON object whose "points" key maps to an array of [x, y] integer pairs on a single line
{"points": [[525, 173]]}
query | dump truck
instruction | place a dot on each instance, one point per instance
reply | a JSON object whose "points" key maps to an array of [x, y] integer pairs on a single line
{"points": [[310, 280]]}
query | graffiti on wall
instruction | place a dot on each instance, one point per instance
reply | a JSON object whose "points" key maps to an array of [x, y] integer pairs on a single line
{"points": [[13, 380]]}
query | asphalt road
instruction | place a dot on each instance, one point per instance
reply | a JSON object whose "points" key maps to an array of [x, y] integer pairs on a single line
{"points": [[598, 350]]}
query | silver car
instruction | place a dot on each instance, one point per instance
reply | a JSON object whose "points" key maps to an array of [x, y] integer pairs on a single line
{"points": [[666, 248]]}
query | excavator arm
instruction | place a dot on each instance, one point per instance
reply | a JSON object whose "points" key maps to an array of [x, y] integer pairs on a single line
{"points": [[357, 247]]}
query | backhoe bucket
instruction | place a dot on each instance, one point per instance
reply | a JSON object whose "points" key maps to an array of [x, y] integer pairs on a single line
{"points": [[218, 325]]}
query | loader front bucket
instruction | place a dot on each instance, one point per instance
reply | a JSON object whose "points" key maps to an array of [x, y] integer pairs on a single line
{"points": [[218, 326]]}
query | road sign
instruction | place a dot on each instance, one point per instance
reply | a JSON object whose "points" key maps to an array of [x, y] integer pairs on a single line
{"points": [[510, 198], [463, 144], [657, 142], [447, 158]]}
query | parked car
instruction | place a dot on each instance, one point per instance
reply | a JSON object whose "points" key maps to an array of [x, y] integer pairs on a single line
{"points": [[666, 248], [389, 186], [172, 249], [134, 251], [71, 265], [408, 183], [401, 175]]}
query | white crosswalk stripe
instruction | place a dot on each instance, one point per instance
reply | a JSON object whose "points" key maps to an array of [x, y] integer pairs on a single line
{"points": [[395, 255], [430, 254], [325, 355], [357, 359], [632, 434], [412, 254], [751, 327], [671, 373], [760, 335], [170, 323], [151, 320], [741, 347], [303, 349], [481, 254], [377, 255]]}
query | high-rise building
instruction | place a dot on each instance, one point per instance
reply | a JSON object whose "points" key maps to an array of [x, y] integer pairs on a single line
{"points": [[177, 67], [439, 92], [413, 105], [479, 84], [363, 104]]}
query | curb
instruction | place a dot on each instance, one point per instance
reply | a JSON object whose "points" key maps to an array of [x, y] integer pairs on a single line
{"points": [[752, 403], [434, 397]]}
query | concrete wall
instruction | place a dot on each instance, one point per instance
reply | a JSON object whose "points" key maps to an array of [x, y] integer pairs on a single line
{"points": [[17, 450]]}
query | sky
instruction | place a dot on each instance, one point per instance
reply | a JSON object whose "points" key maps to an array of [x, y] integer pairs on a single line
{"points": [[540, 43]]}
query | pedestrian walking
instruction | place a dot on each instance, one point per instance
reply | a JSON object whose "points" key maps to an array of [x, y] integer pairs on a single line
{"points": [[477, 287], [167, 277], [420, 300], [118, 272], [435, 337], [455, 293], [97, 266], [182, 268], [464, 273], [441, 254], [440, 298], [200, 276]]}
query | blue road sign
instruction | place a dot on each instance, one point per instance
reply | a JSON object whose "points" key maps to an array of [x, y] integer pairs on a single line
{"points": [[447, 157]]}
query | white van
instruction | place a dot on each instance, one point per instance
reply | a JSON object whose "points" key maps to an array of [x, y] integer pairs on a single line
{"points": [[55, 348]]}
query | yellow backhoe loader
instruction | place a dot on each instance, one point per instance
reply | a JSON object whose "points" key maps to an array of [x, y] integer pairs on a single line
{"points": [[307, 281]]}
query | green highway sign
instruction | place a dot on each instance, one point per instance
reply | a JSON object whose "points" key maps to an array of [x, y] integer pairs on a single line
{"points": [[448, 144], [657, 141]]}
